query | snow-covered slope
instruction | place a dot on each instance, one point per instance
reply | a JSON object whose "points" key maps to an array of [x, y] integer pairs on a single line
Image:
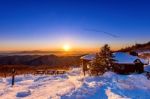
{"points": [[73, 85], [143, 52], [40, 86]]}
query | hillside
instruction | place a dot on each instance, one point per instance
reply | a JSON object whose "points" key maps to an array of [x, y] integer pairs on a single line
{"points": [[37, 60], [137, 47]]}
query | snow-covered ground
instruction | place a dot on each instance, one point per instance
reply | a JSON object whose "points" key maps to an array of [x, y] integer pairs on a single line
{"points": [[73, 85], [142, 52]]}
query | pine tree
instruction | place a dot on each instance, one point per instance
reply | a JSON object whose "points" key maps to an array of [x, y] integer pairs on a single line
{"points": [[107, 57], [103, 60]]}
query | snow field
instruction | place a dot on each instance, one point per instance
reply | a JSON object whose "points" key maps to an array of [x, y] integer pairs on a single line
{"points": [[73, 85]]}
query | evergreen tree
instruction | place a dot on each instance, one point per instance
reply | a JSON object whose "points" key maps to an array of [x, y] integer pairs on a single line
{"points": [[107, 57], [103, 60]]}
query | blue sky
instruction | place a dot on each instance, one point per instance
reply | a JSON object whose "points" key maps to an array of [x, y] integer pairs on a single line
{"points": [[49, 24]]}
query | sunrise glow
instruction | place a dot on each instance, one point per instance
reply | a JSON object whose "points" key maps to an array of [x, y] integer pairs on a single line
{"points": [[66, 47]]}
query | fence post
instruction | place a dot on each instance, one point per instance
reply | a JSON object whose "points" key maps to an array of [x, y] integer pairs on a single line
{"points": [[13, 76]]}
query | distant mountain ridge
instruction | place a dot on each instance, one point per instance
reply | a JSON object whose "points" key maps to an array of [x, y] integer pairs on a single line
{"points": [[38, 52], [137, 47], [38, 60]]}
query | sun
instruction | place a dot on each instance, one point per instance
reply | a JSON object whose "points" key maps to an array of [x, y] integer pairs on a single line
{"points": [[66, 47]]}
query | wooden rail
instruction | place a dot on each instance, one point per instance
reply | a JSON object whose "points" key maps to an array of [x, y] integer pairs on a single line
{"points": [[50, 72]]}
